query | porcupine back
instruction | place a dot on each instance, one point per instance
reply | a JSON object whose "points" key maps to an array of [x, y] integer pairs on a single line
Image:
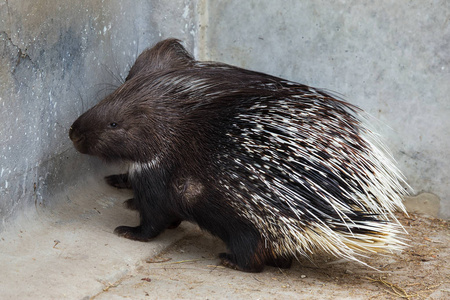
{"points": [[303, 167]]}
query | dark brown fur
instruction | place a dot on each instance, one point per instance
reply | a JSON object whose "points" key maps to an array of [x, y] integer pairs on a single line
{"points": [[172, 120]]}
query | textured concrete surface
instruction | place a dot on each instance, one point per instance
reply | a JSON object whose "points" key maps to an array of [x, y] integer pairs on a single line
{"points": [[70, 251], [58, 58], [189, 269], [424, 203], [390, 58]]}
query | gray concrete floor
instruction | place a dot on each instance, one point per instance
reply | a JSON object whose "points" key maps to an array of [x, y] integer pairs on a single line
{"points": [[70, 252]]}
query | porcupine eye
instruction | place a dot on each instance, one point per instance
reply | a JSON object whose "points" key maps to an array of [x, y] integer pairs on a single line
{"points": [[113, 125]]}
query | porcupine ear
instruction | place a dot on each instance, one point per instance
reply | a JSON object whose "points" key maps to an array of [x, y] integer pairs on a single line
{"points": [[167, 54]]}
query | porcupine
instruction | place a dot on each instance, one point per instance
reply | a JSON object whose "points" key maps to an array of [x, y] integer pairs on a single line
{"points": [[274, 168]]}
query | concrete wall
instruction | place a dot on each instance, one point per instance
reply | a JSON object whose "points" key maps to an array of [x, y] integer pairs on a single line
{"points": [[58, 58], [392, 58]]}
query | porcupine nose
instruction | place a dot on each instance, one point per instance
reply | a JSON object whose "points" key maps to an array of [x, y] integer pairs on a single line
{"points": [[73, 135], [70, 132], [77, 138]]}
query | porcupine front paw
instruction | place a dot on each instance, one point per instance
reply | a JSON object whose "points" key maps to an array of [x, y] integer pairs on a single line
{"points": [[119, 181], [230, 261], [133, 233]]}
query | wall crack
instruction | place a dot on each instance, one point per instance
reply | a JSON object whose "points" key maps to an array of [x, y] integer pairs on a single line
{"points": [[21, 53]]}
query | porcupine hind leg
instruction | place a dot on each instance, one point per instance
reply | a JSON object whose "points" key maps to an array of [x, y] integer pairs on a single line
{"points": [[242, 239], [253, 261], [244, 252]]}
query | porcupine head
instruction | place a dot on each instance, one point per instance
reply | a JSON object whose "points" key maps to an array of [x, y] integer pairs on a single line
{"points": [[274, 168]]}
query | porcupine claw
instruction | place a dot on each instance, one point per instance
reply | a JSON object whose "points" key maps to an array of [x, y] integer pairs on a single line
{"points": [[133, 233]]}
